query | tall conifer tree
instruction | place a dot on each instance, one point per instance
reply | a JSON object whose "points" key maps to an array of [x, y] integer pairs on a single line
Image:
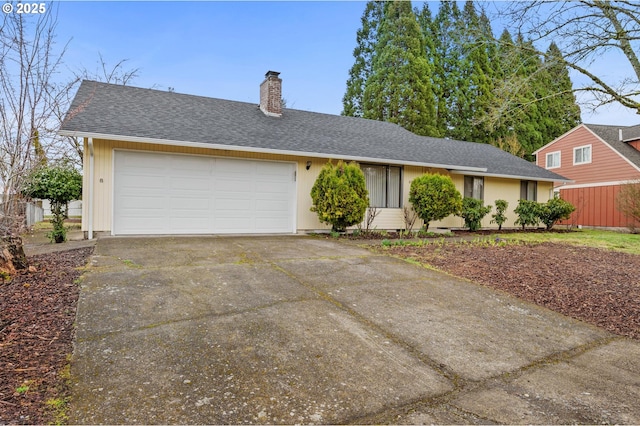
{"points": [[366, 39], [448, 81], [561, 112], [399, 88]]}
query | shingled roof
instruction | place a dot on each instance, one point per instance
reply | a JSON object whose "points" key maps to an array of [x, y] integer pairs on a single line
{"points": [[611, 135], [116, 112]]}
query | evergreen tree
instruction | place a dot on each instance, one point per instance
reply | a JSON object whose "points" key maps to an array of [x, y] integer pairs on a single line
{"points": [[561, 113], [399, 88], [447, 78], [366, 39], [514, 112], [527, 122], [476, 40]]}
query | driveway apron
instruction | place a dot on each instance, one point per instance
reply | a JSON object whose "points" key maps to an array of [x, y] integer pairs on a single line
{"points": [[291, 329]]}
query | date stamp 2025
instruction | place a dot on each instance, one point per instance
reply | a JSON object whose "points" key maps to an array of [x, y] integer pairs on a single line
{"points": [[25, 8]]}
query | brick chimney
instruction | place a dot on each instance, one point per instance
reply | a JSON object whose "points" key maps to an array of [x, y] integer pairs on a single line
{"points": [[271, 94]]}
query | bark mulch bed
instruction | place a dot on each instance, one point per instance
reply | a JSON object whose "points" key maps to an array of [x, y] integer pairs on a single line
{"points": [[598, 286], [37, 312]]}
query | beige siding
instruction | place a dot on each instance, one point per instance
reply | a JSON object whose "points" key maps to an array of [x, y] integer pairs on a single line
{"points": [[103, 178], [390, 219]]}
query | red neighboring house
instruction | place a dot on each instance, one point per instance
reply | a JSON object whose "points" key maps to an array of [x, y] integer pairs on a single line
{"points": [[599, 159]]}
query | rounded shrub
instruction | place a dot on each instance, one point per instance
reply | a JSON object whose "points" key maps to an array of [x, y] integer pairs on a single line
{"points": [[434, 197], [554, 210], [340, 196]]}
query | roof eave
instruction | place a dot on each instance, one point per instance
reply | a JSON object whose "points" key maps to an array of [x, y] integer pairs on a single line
{"points": [[74, 133]]}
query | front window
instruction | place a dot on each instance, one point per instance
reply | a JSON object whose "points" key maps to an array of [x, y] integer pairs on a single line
{"points": [[529, 190], [553, 160], [383, 184], [582, 155], [474, 187]]}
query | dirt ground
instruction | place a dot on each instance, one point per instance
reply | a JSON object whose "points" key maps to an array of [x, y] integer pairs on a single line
{"points": [[37, 309]]}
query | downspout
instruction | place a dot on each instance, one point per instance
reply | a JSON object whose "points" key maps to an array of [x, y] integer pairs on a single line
{"points": [[90, 212]]}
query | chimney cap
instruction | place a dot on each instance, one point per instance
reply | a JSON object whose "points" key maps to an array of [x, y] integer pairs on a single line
{"points": [[271, 74]]}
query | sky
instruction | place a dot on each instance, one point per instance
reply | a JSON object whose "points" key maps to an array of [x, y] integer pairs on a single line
{"points": [[223, 49]]}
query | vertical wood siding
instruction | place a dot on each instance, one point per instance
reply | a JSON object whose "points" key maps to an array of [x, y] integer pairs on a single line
{"points": [[595, 206]]}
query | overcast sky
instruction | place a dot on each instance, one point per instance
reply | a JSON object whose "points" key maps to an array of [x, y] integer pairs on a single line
{"points": [[223, 49]]}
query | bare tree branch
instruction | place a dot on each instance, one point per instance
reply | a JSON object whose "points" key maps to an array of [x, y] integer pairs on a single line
{"points": [[28, 97], [584, 31]]}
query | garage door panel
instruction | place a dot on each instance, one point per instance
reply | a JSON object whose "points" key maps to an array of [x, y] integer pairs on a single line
{"points": [[270, 205], [137, 202], [170, 193], [233, 224], [242, 208], [190, 183], [155, 224], [193, 226], [137, 181], [272, 187], [232, 186]]}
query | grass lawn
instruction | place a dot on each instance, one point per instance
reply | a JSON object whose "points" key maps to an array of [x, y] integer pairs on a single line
{"points": [[628, 243], [72, 223]]}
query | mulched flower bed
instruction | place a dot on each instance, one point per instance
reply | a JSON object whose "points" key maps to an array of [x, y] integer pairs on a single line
{"points": [[601, 287], [37, 312]]}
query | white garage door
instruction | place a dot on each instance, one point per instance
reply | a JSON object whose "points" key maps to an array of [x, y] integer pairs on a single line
{"points": [[185, 194]]}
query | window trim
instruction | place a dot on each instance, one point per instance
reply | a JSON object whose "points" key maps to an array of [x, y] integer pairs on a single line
{"points": [[387, 168], [549, 154], [581, 148]]}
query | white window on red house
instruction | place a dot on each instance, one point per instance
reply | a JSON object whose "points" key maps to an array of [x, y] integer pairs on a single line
{"points": [[582, 155], [553, 160]]}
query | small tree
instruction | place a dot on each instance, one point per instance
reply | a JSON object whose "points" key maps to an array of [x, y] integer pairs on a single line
{"points": [[554, 210], [340, 196], [60, 184], [628, 201], [528, 213], [472, 212], [499, 217], [434, 197]]}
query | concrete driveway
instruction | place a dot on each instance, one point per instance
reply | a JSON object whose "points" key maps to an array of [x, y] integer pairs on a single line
{"points": [[219, 330]]}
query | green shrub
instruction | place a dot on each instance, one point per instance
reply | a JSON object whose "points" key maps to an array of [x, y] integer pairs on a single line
{"points": [[473, 211], [499, 217], [60, 184], [554, 210], [434, 197], [528, 213], [340, 196]]}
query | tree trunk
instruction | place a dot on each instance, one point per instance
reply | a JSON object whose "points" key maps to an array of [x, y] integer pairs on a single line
{"points": [[12, 255]]}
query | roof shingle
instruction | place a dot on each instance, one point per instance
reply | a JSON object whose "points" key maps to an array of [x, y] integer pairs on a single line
{"points": [[611, 135], [108, 110]]}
